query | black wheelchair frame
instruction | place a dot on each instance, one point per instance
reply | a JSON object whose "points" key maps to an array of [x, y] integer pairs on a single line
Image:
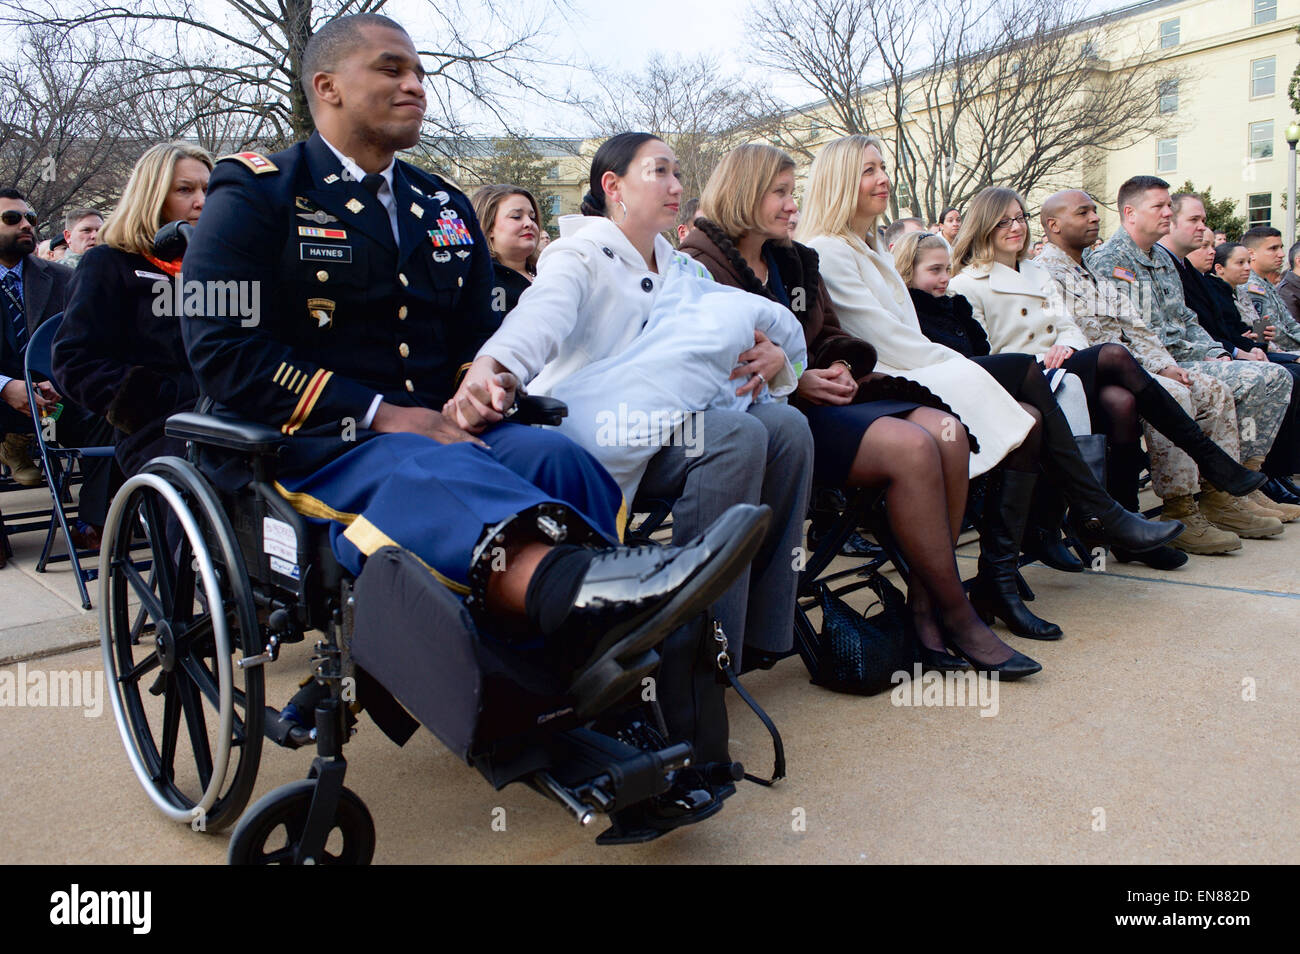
{"points": [[213, 584]]}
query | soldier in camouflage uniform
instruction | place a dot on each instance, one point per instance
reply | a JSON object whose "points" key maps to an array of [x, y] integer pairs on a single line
{"points": [[1070, 222], [1266, 255], [1228, 320], [1129, 262]]}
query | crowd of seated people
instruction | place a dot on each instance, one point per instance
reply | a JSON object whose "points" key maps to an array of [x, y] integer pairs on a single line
{"points": [[808, 344]]}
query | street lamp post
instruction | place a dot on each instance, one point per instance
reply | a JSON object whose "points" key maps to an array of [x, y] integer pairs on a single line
{"points": [[1292, 137]]}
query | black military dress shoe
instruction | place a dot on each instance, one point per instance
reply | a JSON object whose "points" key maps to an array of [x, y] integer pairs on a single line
{"points": [[1161, 558], [1289, 485], [631, 598], [1276, 489]]}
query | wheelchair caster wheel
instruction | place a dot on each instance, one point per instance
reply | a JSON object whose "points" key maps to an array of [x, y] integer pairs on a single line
{"points": [[271, 831]]}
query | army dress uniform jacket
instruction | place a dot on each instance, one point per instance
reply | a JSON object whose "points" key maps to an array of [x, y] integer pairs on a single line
{"points": [[345, 312]]}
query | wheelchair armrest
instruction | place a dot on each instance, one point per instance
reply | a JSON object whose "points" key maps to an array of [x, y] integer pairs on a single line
{"points": [[539, 409], [225, 432]]}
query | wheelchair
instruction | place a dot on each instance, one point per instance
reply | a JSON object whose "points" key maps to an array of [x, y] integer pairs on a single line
{"points": [[232, 574]]}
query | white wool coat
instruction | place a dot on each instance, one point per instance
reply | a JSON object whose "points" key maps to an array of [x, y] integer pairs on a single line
{"points": [[873, 303], [1022, 311], [634, 352], [592, 296]]}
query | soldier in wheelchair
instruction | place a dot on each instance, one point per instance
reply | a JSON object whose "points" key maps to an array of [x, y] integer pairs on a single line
{"points": [[470, 573]]}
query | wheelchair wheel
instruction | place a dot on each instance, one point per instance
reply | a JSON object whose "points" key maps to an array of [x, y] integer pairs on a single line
{"points": [[167, 637], [271, 831]]}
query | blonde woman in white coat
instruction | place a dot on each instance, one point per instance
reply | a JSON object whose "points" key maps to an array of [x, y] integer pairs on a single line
{"points": [[847, 191], [594, 292]]}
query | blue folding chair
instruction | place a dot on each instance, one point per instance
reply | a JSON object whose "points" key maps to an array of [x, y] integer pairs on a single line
{"points": [[61, 463]]}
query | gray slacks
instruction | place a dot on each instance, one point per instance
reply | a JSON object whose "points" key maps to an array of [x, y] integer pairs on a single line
{"points": [[763, 455]]}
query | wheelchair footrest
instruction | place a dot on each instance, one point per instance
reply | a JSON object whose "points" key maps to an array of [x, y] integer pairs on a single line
{"points": [[593, 772]]}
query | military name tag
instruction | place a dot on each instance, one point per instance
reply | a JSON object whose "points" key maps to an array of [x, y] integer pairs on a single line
{"points": [[324, 253]]}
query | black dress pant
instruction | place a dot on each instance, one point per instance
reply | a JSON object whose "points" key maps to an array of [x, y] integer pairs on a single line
{"points": [[77, 427]]}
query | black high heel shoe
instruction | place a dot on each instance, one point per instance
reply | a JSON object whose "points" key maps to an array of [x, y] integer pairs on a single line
{"points": [[939, 661], [1017, 667]]}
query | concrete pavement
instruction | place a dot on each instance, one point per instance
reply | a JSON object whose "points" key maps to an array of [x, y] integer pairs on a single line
{"points": [[1162, 729]]}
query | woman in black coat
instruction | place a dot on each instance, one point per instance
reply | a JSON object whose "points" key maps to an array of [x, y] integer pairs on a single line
{"points": [[511, 222], [119, 351]]}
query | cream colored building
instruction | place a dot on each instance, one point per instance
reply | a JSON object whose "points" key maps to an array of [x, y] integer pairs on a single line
{"points": [[1229, 118]]}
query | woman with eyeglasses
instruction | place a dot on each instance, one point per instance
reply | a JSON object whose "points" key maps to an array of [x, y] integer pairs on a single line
{"points": [[119, 350], [1006, 401], [1017, 302]]}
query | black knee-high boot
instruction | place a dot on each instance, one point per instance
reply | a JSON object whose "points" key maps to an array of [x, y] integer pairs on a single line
{"points": [[1123, 470], [1043, 535], [1099, 518], [1167, 416], [1007, 499]]}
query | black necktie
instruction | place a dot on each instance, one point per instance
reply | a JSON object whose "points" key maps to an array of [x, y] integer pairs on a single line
{"points": [[13, 299], [372, 181]]}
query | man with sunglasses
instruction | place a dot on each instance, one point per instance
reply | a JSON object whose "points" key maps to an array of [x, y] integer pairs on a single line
{"points": [[31, 290]]}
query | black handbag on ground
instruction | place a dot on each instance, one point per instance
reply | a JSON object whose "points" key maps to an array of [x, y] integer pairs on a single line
{"points": [[860, 653]]}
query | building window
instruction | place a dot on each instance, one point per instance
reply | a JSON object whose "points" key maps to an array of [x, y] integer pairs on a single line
{"points": [[1169, 96], [1089, 50], [553, 172], [555, 205], [1259, 209], [1169, 34], [1261, 140], [1265, 11], [1166, 155], [1263, 75]]}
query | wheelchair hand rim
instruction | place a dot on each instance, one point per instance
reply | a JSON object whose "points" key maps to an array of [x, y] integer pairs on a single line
{"points": [[220, 635]]}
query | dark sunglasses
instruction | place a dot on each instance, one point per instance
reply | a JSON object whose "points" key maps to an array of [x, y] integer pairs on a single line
{"points": [[13, 217]]}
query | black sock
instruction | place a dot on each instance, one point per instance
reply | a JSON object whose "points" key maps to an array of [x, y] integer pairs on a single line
{"points": [[554, 584]]}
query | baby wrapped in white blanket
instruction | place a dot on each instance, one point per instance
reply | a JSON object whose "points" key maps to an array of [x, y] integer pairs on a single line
{"points": [[626, 407]]}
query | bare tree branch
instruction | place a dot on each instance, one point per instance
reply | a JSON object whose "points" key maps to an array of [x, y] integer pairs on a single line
{"points": [[965, 94]]}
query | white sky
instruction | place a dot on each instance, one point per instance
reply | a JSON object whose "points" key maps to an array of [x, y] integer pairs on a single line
{"points": [[622, 35], [609, 34]]}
